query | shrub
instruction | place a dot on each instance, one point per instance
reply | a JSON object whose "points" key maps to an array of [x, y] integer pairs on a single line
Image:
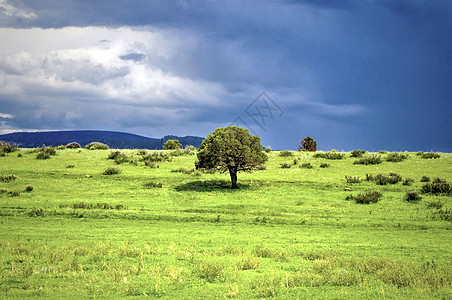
{"points": [[8, 178], [368, 160], [308, 144], [285, 153], [435, 204], [307, 165], [352, 179], [112, 171], [97, 146], [443, 214], [425, 179], [357, 153], [437, 186], [7, 147], [408, 181], [366, 198], [432, 155], [412, 196], [14, 194], [396, 157], [73, 145], [151, 164], [156, 157], [69, 166], [29, 188], [382, 152], [419, 153], [183, 170], [268, 149], [42, 155], [151, 184], [329, 155], [286, 165], [381, 179], [172, 145], [118, 156], [325, 165]]}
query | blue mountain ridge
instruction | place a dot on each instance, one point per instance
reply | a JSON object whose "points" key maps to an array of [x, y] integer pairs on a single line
{"points": [[118, 140]]}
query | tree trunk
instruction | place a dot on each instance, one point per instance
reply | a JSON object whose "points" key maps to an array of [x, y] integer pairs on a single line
{"points": [[233, 173]]}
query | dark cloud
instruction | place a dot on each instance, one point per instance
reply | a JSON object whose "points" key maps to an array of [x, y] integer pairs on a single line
{"points": [[355, 74], [133, 56]]}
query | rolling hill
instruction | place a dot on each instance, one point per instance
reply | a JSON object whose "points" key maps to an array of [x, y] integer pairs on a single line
{"points": [[120, 140]]}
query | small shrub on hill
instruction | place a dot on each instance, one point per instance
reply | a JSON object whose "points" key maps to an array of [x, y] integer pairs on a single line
{"points": [[352, 179], [307, 165], [7, 147], [430, 155], [183, 170], [151, 184], [408, 181], [381, 179], [46, 152], [437, 186], [112, 171], [396, 157], [357, 153], [435, 204], [425, 179], [285, 153], [382, 152], [324, 165], [29, 188], [443, 214], [172, 145], [8, 178], [368, 160], [96, 146], [268, 149], [118, 156], [308, 144], [366, 198], [73, 145], [329, 155], [156, 157], [285, 165], [412, 196]]}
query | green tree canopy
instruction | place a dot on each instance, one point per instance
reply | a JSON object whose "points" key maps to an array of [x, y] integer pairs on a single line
{"points": [[231, 149], [172, 145]]}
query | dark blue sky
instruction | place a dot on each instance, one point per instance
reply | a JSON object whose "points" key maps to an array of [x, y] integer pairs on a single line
{"points": [[373, 74]]}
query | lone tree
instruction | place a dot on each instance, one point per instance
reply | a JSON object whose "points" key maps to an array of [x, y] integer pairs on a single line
{"points": [[308, 144], [172, 145], [231, 149]]}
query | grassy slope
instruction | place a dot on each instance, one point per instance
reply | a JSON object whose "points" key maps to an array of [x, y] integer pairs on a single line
{"points": [[287, 232]]}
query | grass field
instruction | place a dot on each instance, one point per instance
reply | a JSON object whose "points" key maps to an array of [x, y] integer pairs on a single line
{"points": [[69, 231]]}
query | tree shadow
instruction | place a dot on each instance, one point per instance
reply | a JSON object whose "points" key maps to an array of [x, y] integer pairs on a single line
{"points": [[210, 186]]}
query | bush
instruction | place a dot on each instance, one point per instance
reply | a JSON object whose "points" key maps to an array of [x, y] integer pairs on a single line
{"points": [[425, 179], [437, 186], [183, 170], [307, 165], [285, 153], [96, 146], [366, 198], [432, 155], [285, 165], [8, 178], [308, 144], [42, 155], [325, 165], [435, 204], [329, 155], [112, 171], [268, 149], [352, 179], [408, 181], [7, 147], [368, 160], [381, 179], [156, 157], [73, 145], [152, 184], [357, 153], [172, 145], [29, 188], [412, 196], [396, 157], [118, 156]]}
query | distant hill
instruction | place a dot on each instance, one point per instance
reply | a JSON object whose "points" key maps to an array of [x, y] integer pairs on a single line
{"points": [[118, 140]]}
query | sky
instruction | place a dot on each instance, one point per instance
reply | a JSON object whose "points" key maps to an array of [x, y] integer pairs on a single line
{"points": [[352, 74]]}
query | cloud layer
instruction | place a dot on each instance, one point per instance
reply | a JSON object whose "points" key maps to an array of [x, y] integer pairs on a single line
{"points": [[368, 74]]}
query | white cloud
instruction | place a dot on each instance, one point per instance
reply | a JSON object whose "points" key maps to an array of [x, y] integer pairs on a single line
{"points": [[12, 11], [6, 116]]}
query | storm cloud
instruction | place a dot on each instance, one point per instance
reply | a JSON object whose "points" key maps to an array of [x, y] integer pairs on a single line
{"points": [[353, 74]]}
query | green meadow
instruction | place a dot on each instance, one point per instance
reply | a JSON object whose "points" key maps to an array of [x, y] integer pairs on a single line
{"points": [[293, 230]]}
